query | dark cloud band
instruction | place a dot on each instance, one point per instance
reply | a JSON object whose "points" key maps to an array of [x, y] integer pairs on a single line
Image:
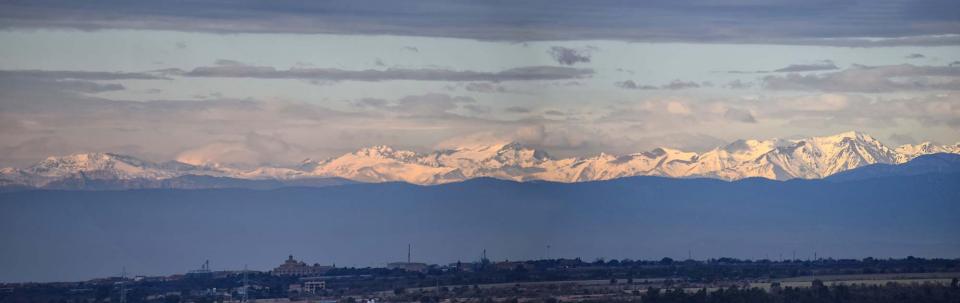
{"points": [[78, 75], [818, 22]]}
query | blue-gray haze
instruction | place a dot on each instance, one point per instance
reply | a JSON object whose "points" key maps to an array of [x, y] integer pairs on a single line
{"points": [[71, 235]]}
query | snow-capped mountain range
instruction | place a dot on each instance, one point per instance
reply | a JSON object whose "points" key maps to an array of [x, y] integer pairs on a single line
{"points": [[809, 158]]}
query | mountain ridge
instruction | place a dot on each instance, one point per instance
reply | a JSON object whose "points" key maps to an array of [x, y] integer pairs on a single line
{"points": [[938, 163], [777, 159]]}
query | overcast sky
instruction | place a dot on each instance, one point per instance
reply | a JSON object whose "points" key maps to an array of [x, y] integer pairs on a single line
{"points": [[274, 82]]}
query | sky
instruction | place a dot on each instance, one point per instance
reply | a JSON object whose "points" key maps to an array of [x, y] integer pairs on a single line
{"points": [[275, 82]]}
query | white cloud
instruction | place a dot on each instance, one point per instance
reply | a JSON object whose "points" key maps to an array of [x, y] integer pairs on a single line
{"points": [[253, 149], [678, 108]]}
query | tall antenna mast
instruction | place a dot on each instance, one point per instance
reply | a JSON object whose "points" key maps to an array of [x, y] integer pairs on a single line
{"points": [[408, 253], [123, 285], [246, 288]]}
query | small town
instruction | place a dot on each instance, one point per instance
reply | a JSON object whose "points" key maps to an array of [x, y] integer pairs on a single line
{"points": [[553, 280]]}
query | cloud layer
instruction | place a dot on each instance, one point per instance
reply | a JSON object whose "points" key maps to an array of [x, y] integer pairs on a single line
{"points": [[40, 117]]}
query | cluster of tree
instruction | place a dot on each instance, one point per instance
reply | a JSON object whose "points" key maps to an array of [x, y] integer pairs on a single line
{"points": [[723, 269], [354, 281], [819, 293]]}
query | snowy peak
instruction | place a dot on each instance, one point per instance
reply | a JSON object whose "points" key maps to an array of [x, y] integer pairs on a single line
{"points": [[746, 150], [818, 157], [835, 143], [907, 152], [516, 154], [385, 152], [677, 155], [93, 166], [507, 150], [851, 150], [850, 135], [746, 146], [813, 157], [123, 167], [382, 164], [925, 147]]}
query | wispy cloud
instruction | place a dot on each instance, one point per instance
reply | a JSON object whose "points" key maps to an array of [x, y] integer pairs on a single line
{"points": [[871, 79], [420, 105], [630, 84], [232, 69], [680, 84], [570, 56], [517, 110], [673, 85], [79, 75], [484, 87], [822, 65], [739, 115], [55, 81], [738, 84], [818, 66]]}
